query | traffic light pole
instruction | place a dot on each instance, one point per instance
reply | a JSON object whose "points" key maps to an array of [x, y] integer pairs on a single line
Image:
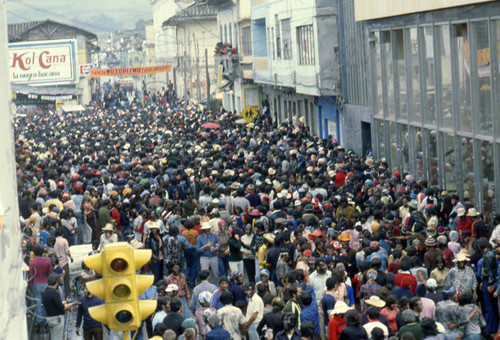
{"points": [[13, 286]]}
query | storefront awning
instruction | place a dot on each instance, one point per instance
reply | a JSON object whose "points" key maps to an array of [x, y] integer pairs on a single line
{"points": [[47, 90]]}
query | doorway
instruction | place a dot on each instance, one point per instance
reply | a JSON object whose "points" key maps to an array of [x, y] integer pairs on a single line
{"points": [[366, 138]]}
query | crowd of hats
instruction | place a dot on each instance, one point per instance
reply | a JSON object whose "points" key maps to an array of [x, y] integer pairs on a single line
{"points": [[139, 154]]}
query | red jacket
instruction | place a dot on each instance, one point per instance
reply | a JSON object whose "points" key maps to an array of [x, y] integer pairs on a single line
{"points": [[335, 326]]}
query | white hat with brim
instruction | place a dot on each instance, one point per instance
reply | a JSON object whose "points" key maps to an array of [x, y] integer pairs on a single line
{"points": [[108, 227], [461, 212], [375, 301], [171, 288], [340, 308], [136, 244], [205, 225], [269, 237], [472, 212], [461, 257]]}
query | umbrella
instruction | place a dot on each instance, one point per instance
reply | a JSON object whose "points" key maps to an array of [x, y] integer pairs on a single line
{"points": [[210, 126]]}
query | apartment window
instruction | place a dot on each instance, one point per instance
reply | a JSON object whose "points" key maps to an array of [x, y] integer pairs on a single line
{"points": [[246, 40], [305, 40], [278, 37], [287, 39], [272, 43]]}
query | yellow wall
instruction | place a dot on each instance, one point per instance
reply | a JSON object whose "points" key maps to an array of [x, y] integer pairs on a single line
{"points": [[374, 9]]}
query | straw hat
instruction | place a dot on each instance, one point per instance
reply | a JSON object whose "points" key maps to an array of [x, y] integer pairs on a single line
{"points": [[375, 301], [461, 212], [269, 237], [340, 308], [472, 212], [136, 244], [108, 227], [205, 225], [461, 257], [171, 288]]}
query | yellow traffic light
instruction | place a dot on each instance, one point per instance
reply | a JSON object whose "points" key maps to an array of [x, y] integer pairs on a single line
{"points": [[120, 287]]}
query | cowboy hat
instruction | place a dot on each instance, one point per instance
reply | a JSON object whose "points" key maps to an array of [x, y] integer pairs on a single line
{"points": [[340, 308], [269, 237], [316, 233], [472, 212], [344, 237], [136, 244], [375, 301], [108, 227], [205, 225], [461, 257], [171, 288]]}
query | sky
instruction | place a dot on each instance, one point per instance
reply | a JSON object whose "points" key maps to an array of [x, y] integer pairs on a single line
{"points": [[92, 15]]}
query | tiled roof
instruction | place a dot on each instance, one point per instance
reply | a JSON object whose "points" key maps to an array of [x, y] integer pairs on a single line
{"points": [[16, 31], [193, 12]]}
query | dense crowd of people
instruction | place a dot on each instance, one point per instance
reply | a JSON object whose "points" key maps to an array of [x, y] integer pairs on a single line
{"points": [[257, 232]]}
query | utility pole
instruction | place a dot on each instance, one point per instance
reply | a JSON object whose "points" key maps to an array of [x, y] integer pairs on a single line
{"points": [[13, 286], [209, 100], [197, 53]]}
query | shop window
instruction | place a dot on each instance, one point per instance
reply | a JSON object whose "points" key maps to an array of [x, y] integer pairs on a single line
{"points": [[381, 138], [450, 177], [393, 146], [389, 74], [419, 155], [444, 53], [415, 77], [401, 69], [464, 113], [433, 162], [428, 73], [482, 88], [488, 177], [377, 70], [467, 162]]}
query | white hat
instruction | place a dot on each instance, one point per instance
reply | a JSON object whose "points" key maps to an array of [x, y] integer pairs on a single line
{"points": [[205, 225], [472, 212], [108, 227], [171, 288], [340, 308]]}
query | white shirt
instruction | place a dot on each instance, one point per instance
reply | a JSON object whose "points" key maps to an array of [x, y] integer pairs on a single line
{"points": [[255, 304], [495, 235], [319, 284], [372, 324]]}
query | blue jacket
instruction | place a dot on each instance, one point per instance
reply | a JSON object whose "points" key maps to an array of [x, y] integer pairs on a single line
{"points": [[204, 239], [83, 311], [217, 333]]}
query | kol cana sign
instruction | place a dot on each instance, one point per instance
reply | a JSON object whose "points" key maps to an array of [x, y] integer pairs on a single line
{"points": [[51, 62]]}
